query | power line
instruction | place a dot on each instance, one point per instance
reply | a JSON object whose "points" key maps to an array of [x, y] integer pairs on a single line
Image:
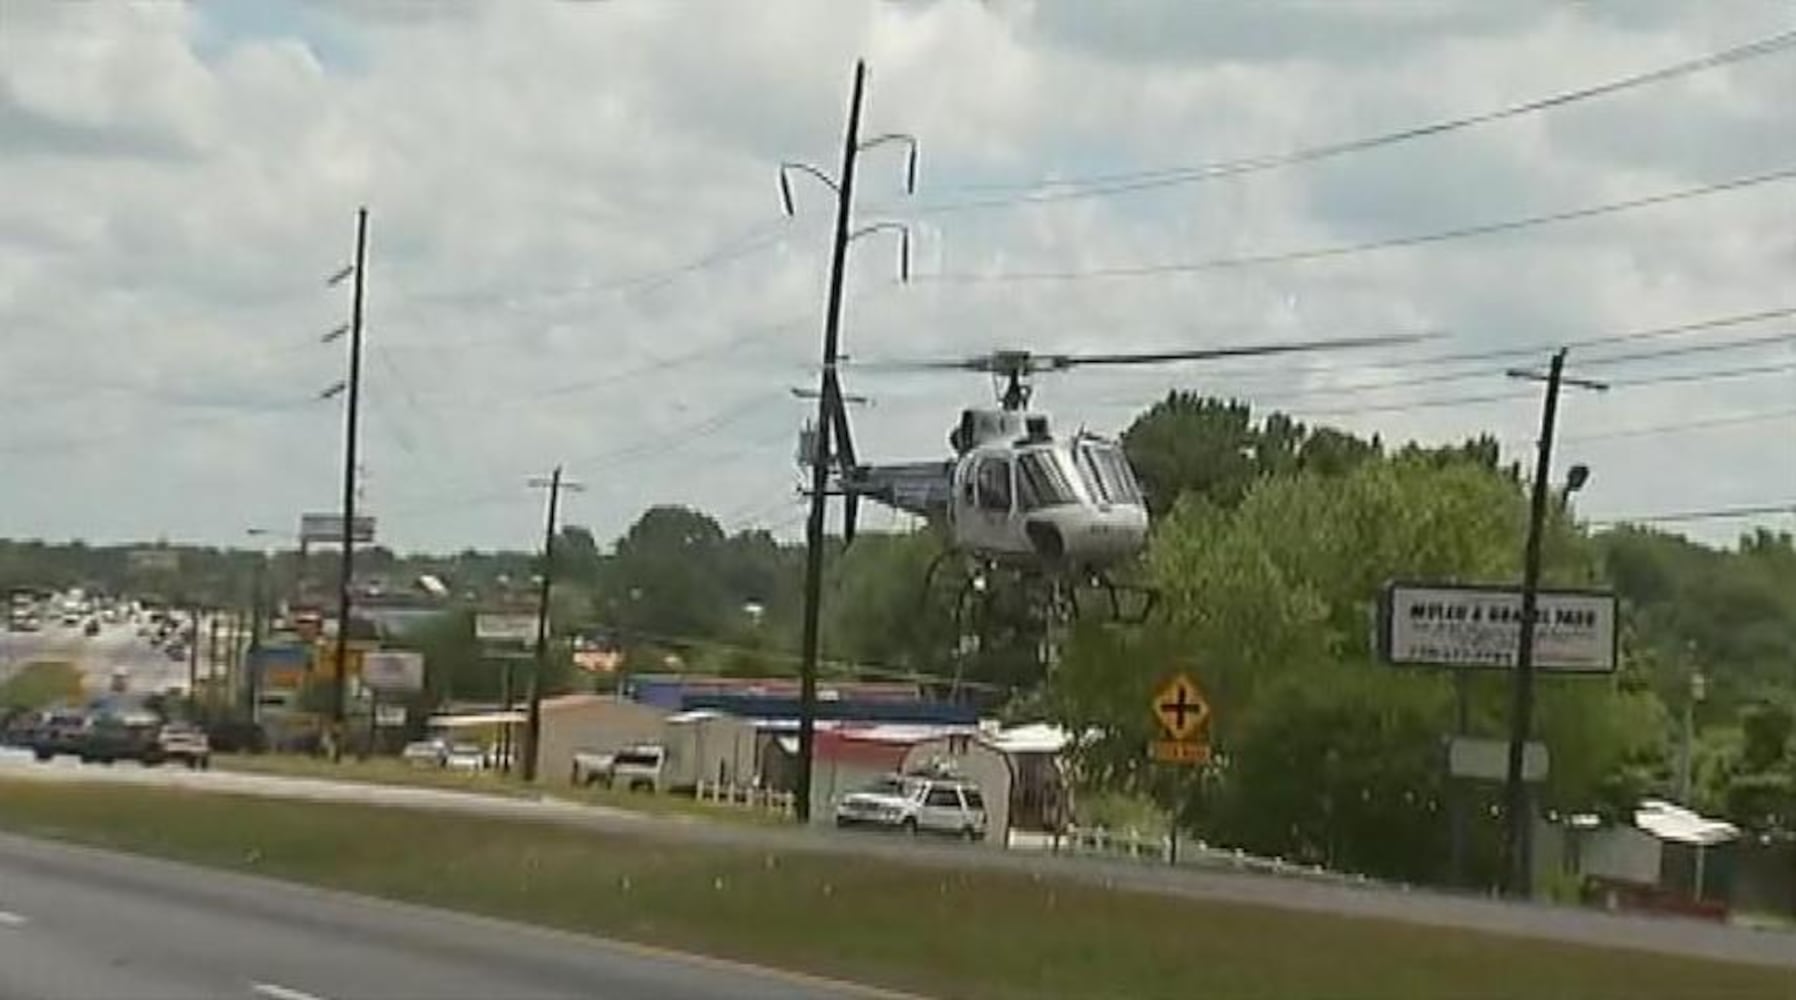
{"points": [[1129, 182], [750, 241], [1371, 246], [1648, 430], [857, 668], [1426, 404], [1713, 514], [1748, 343]]}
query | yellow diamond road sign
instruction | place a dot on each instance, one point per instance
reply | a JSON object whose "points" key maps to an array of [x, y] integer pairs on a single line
{"points": [[1181, 709]]}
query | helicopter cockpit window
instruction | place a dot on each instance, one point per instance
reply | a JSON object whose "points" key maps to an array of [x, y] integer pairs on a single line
{"points": [[1042, 481], [1108, 473], [994, 484]]}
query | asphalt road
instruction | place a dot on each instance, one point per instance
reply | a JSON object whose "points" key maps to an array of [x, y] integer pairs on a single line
{"points": [[80, 923], [117, 648], [1572, 925]]}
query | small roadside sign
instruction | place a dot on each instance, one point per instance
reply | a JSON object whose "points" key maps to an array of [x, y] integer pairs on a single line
{"points": [[1181, 708], [1179, 752], [1184, 717]]}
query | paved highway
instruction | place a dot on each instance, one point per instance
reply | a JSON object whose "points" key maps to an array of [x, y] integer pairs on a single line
{"points": [[81, 923], [1667, 935], [116, 648]]}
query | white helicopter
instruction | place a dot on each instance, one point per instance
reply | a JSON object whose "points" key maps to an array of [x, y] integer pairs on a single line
{"points": [[1062, 510]]}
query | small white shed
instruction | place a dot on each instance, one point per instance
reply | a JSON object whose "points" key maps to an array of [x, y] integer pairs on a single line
{"points": [[707, 745]]}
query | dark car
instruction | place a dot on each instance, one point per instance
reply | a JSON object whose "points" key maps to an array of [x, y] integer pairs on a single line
{"points": [[123, 736], [58, 731]]}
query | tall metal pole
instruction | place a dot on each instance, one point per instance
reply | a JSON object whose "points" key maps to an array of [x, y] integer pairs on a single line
{"points": [[346, 568], [533, 723], [252, 657], [193, 661], [813, 570], [1519, 830]]}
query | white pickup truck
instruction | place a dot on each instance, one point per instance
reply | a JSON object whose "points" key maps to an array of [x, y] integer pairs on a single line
{"points": [[635, 768]]}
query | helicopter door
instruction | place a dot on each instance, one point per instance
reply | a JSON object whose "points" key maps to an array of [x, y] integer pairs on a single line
{"points": [[988, 498]]}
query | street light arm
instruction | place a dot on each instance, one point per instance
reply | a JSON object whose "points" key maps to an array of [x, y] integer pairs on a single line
{"points": [[903, 232], [910, 156], [786, 183]]}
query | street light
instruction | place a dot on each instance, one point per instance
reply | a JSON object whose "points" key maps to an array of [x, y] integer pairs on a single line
{"points": [[1575, 478]]}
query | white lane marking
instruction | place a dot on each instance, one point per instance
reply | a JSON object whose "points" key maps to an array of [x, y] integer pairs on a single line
{"points": [[11, 919], [278, 992]]}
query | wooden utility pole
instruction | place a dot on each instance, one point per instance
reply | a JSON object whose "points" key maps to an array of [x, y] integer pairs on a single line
{"points": [[1518, 832], [346, 567], [533, 724]]}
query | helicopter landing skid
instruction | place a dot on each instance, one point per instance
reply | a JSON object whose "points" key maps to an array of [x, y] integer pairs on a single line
{"points": [[1130, 604]]}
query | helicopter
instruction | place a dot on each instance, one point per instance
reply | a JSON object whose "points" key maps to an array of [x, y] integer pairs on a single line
{"points": [[1056, 511]]}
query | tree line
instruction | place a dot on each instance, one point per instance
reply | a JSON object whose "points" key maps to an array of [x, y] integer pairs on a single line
{"points": [[1271, 543]]}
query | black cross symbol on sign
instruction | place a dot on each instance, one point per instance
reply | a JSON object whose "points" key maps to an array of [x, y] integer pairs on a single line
{"points": [[1183, 709]]}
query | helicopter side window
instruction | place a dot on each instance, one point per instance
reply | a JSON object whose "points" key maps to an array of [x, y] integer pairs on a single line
{"points": [[1108, 473], [994, 484], [1042, 482]]}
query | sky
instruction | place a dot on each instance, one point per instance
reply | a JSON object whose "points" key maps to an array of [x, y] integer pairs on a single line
{"points": [[577, 253]]}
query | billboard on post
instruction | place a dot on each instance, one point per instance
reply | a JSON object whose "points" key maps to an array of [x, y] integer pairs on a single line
{"points": [[280, 667], [393, 670], [328, 528], [505, 626], [1452, 625]]}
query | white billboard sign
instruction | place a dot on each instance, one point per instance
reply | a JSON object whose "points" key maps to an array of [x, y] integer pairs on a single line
{"points": [[328, 528], [505, 626], [388, 670], [1488, 760], [1461, 626]]}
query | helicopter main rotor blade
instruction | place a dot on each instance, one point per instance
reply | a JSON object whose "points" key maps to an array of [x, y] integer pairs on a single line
{"points": [[1058, 362], [1005, 362]]}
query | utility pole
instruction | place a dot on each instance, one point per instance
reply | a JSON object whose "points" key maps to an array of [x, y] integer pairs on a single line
{"points": [[1518, 834], [193, 660], [533, 724], [346, 568], [212, 665], [828, 407]]}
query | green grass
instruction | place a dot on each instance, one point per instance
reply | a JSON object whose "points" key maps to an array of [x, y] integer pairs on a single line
{"points": [[40, 684], [391, 771], [946, 933]]}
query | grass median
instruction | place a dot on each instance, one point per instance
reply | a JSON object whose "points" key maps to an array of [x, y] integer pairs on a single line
{"points": [[392, 771], [949, 934]]}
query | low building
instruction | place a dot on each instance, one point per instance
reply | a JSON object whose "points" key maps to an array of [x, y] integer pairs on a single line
{"points": [[592, 722], [1668, 859], [709, 746]]}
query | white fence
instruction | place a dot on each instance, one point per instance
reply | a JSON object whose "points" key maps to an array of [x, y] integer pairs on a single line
{"points": [[1134, 845], [745, 796]]}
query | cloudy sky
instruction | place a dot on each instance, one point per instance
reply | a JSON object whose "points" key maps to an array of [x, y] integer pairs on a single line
{"points": [[578, 253]]}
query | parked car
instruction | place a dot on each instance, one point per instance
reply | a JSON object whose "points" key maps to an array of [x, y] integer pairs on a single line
{"points": [[111, 736], [465, 757], [638, 768], [58, 731], [426, 753], [591, 767], [184, 743], [917, 804]]}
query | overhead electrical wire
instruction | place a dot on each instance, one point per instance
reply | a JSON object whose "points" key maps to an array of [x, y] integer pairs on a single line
{"points": [[1542, 348], [1675, 377], [1712, 514], [1305, 255], [1701, 423], [1106, 185], [1436, 378]]}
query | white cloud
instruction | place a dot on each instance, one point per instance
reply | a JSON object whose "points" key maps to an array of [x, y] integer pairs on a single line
{"points": [[193, 171]]}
